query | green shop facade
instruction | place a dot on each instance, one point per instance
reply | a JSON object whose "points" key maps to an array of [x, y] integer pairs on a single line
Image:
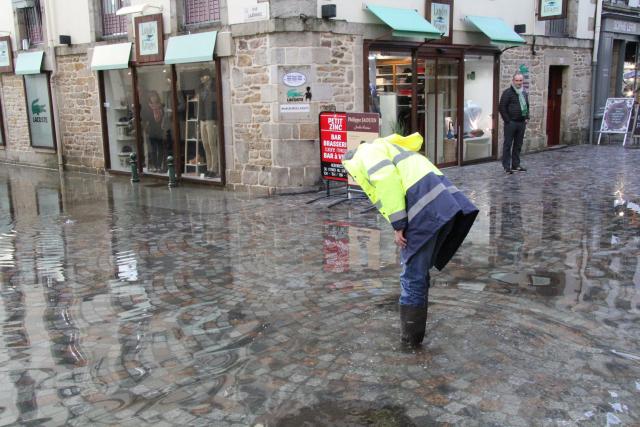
{"points": [[158, 102]]}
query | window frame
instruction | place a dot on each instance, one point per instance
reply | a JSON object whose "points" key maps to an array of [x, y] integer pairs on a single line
{"points": [[213, 9], [28, 30], [118, 22]]}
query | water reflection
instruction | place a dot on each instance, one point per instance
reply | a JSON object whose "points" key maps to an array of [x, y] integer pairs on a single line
{"points": [[123, 303]]}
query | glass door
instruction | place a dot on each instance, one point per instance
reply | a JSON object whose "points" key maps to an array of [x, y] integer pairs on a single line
{"points": [[440, 110]]}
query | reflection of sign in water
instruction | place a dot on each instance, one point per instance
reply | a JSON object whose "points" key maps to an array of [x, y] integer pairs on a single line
{"points": [[336, 247], [551, 8], [440, 17], [4, 53], [148, 38], [617, 112]]}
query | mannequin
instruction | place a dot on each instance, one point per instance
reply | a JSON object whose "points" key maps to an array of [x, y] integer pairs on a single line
{"points": [[208, 114]]}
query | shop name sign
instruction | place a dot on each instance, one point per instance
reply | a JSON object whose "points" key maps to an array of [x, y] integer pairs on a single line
{"points": [[552, 9], [440, 17], [624, 27], [294, 79], [37, 109]]}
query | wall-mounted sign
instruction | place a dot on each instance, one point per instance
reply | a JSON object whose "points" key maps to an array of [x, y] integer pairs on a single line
{"points": [[552, 9], [241, 11], [294, 79], [39, 109], [295, 108], [258, 12], [295, 92], [340, 132], [440, 14], [149, 38], [6, 55]]}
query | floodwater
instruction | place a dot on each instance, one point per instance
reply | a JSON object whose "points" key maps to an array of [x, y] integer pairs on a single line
{"points": [[132, 304]]}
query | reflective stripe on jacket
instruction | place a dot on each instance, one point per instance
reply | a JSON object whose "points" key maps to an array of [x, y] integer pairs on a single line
{"points": [[411, 193]]}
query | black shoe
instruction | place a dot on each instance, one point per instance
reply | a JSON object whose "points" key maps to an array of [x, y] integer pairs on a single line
{"points": [[519, 169], [413, 322], [508, 171]]}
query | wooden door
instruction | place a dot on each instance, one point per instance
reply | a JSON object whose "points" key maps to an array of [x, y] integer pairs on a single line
{"points": [[554, 105]]}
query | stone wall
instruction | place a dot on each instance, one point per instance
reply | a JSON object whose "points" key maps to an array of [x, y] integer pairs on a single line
{"points": [[79, 104], [576, 91], [274, 152]]}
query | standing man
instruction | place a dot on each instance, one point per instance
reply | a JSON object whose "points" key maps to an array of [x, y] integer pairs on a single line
{"points": [[429, 215], [514, 109]]}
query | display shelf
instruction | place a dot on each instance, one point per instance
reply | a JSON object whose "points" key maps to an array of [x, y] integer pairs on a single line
{"points": [[126, 138]]}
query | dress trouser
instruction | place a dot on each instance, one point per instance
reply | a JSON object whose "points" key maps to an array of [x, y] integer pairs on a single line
{"points": [[209, 135], [513, 138]]}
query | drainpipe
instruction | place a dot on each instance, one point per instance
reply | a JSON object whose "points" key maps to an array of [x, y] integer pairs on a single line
{"points": [[51, 51], [594, 63]]}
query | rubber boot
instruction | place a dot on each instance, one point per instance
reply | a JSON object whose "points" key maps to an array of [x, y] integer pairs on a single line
{"points": [[413, 321]]}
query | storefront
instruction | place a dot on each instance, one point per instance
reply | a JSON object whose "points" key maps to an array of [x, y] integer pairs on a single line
{"points": [[38, 96], [616, 74], [447, 92], [158, 108]]}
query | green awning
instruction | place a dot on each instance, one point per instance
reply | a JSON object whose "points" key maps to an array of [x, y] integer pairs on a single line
{"points": [[496, 29], [111, 57], [405, 22], [29, 62], [191, 48]]}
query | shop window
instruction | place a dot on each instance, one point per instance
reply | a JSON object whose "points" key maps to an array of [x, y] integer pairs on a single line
{"points": [[113, 24], [629, 76], [119, 111], [440, 109], [39, 109], [198, 113], [200, 11], [390, 76], [156, 116], [30, 20], [478, 106]]}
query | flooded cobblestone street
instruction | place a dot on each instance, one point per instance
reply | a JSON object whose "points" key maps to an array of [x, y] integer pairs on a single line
{"points": [[137, 305]]}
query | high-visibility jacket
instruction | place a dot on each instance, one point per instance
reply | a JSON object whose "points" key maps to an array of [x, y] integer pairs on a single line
{"points": [[412, 194]]}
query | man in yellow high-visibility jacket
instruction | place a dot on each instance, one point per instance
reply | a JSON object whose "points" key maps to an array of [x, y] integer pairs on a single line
{"points": [[429, 215]]}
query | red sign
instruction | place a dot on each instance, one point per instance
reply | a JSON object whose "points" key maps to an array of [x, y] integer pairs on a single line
{"points": [[333, 145], [340, 132]]}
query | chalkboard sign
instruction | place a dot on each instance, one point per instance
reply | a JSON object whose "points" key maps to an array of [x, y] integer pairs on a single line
{"points": [[616, 117], [617, 113]]}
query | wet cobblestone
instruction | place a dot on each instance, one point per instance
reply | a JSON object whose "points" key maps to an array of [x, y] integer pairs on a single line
{"points": [[127, 304]]}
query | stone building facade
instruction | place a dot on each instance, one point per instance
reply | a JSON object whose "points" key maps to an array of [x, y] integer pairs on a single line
{"points": [[576, 63], [265, 150]]}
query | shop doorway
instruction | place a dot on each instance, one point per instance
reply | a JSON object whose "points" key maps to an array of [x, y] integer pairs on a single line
{"points": [[554, 105]]}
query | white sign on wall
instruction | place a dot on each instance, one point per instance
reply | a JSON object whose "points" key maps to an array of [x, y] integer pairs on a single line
{"points": [[241, 11]]}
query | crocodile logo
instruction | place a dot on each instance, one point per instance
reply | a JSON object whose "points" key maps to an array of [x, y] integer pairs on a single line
{"points": [[37, 109]]}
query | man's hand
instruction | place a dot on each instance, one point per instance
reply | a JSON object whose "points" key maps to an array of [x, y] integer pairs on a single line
{"points": [[400, 239]]}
